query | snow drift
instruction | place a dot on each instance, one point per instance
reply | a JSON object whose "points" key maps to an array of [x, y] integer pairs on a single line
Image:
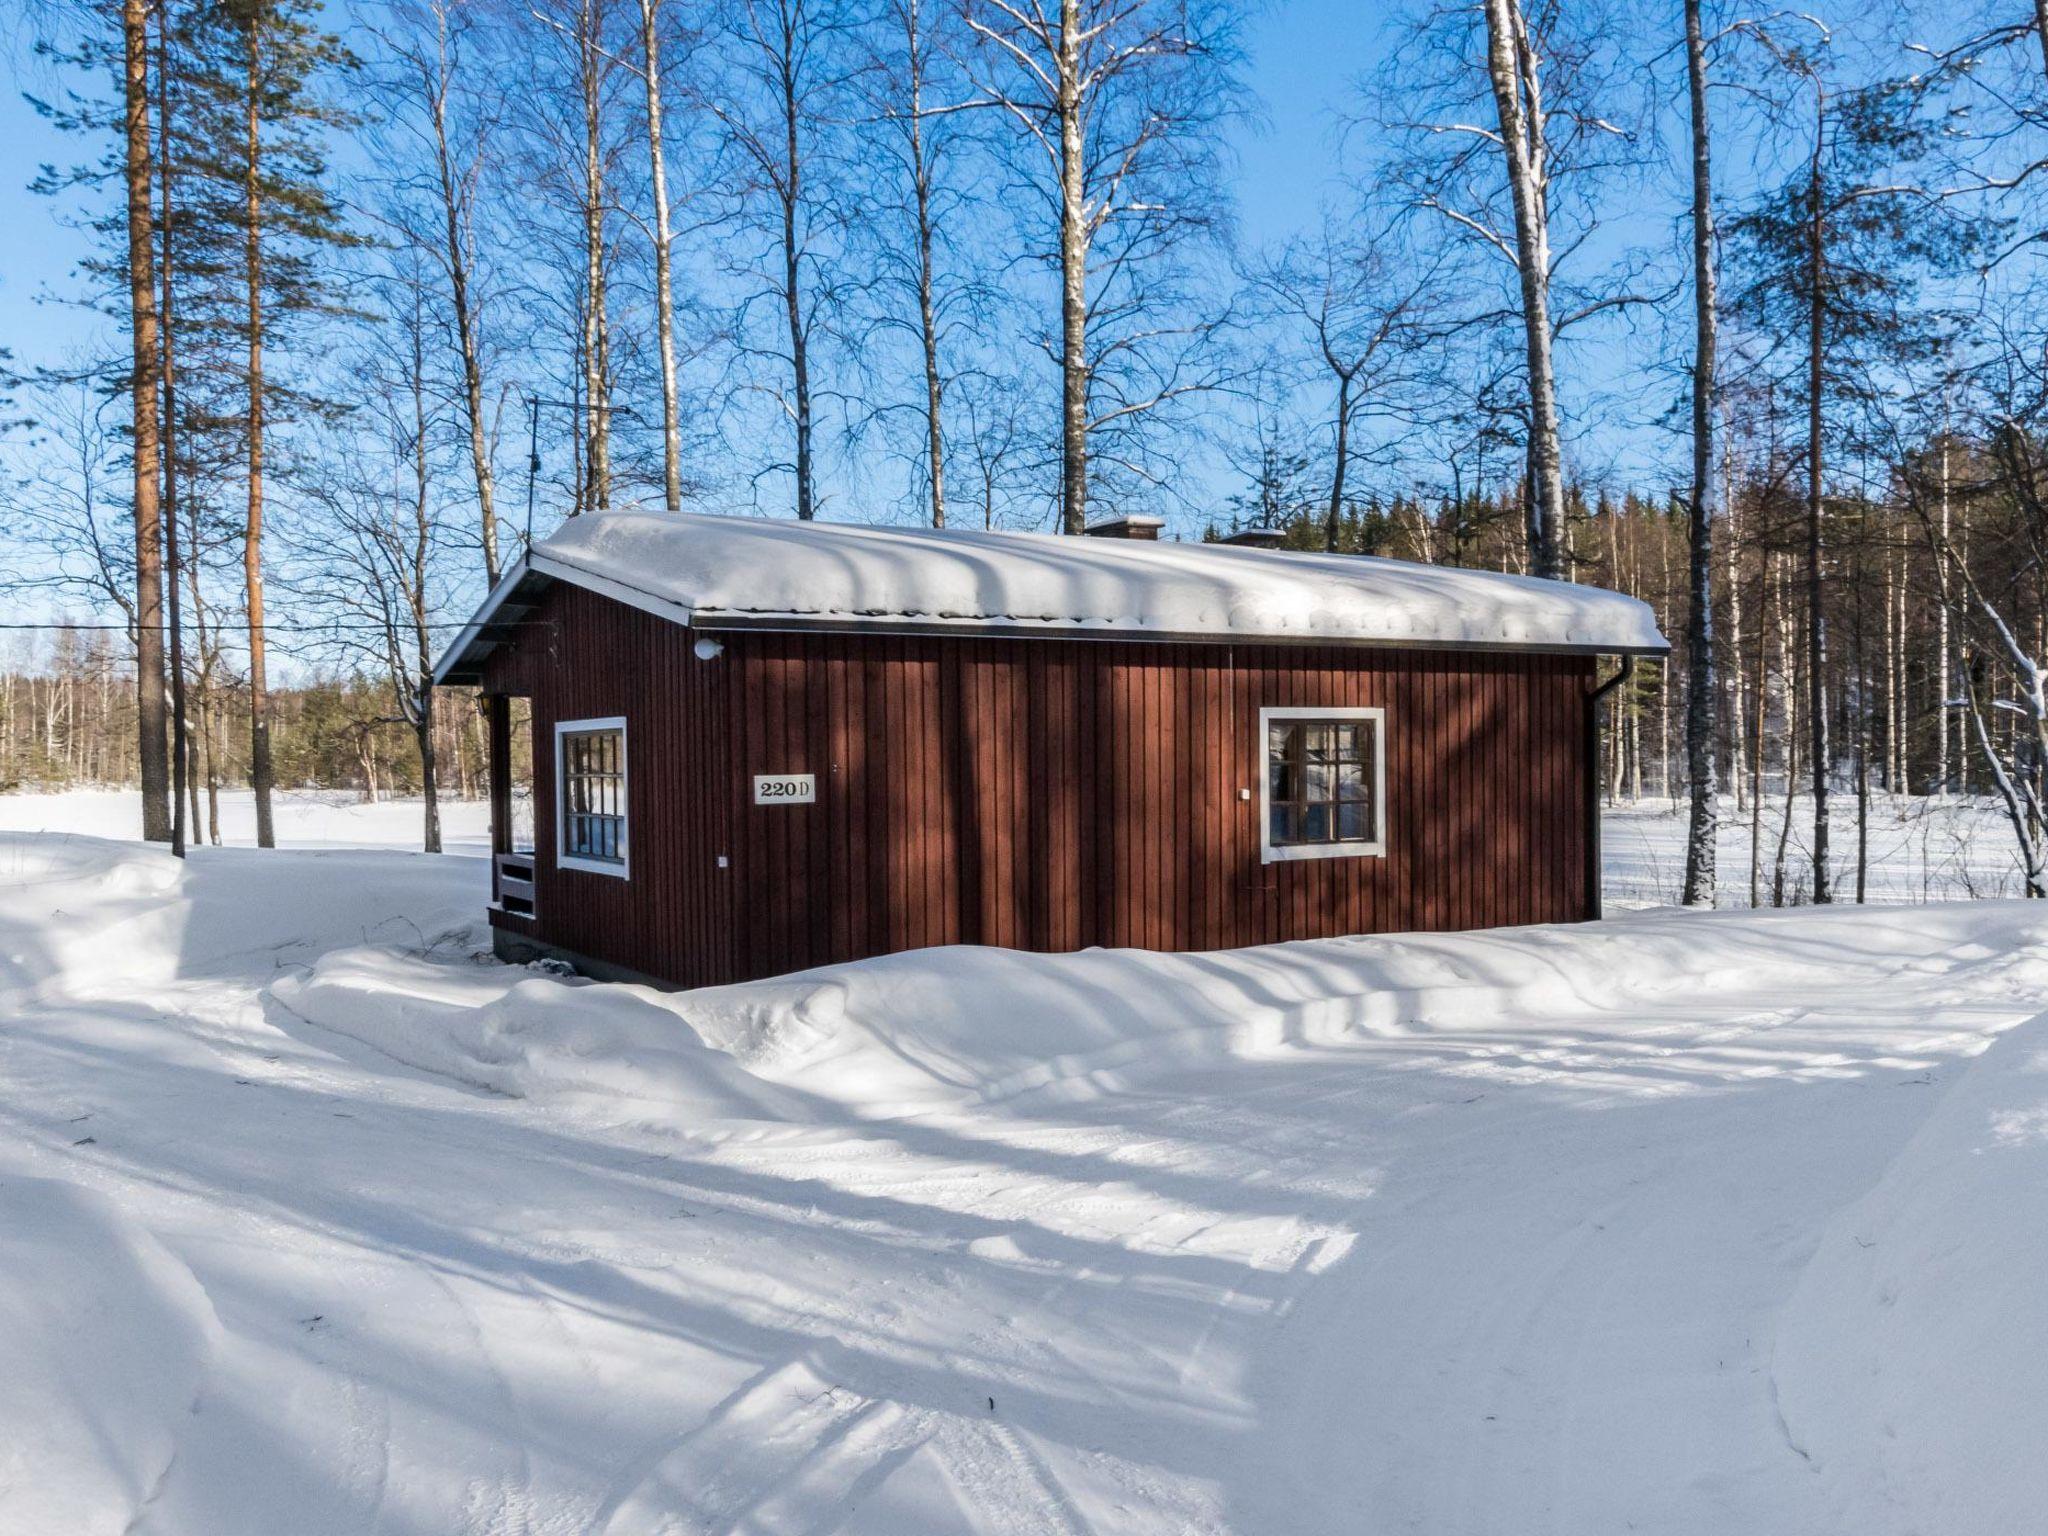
{"points": [[1909, 1362], [536, 1037], [89, 915], [104, 1342], [943, 1029]]}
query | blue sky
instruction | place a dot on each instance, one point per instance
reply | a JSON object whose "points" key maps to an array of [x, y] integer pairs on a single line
{"points": [[41, 253], [1305, 58]]}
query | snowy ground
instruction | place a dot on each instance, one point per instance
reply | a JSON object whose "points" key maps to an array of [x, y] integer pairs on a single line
{"points": [[1921, 849], [313, 1221], [305, 819]]}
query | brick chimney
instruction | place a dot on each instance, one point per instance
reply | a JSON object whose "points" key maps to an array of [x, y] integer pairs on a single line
{"points": [[1135, 526]]}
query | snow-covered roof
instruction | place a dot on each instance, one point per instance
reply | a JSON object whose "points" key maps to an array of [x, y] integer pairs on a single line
{"points": [[736, 572]]}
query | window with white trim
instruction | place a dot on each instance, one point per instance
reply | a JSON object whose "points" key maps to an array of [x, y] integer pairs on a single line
{"points": [[590, 795], [1324, 790]]}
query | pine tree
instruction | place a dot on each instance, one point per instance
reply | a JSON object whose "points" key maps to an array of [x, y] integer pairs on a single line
{"points": [[1834, 256], [260, 228], [124, 263]]}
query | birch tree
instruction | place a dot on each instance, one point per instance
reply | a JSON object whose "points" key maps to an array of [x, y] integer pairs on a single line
{"points": [[435, 137], [920, 115], [1514, 125], [1371, 305], [1702, 756], [594, 64], [662, 237], [2003, 675], [374, 568], [1116, 103], [776, 79], [572, 139], [1515, 68]]}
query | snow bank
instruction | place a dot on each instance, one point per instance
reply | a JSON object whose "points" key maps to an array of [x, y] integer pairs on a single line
{"points": [[537, 1038], [104, 1343], [843, 574], [86, 915], [1910, 1362], [940, 1029]]}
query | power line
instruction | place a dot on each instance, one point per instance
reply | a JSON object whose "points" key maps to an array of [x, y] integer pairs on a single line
{"points": [[291, 629]]}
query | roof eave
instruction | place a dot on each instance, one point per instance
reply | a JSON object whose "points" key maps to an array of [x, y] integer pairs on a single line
{"points": [[912, 624], [515, 597], [519, 590], [462, 662]]}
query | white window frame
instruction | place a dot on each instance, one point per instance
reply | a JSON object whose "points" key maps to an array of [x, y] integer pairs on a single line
{"points": [[1281, 853], [563, 858]]}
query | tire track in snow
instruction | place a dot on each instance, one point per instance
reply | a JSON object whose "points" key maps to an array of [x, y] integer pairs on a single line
{"points": [[787, 1431], [506, 1495]]}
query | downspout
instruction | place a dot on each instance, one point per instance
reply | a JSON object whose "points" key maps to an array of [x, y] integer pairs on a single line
{"points": [[1593, 703]]}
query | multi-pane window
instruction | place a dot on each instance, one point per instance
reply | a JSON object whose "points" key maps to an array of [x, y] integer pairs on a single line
{"points": [[1323, 783], [593, 765]]}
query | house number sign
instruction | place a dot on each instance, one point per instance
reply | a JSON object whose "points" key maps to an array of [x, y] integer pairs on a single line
{"points": [[785, 788]]}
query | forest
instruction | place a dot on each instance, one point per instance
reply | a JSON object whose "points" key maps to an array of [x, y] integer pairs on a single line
{"points": [[1737, 313]]}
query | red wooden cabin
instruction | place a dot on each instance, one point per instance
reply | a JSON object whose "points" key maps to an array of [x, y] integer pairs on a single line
{"points": [[761, 746]]}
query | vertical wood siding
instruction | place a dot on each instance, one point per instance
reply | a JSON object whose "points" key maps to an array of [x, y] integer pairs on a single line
{"points": [[1038, 794]]}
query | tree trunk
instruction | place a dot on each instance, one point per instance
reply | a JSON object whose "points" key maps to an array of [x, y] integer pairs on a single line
{"points": [[252, 533], [927, 318], [596, 387], [152, 751], [1738, 756], [1758, 742], [1074, 240], [664, 293], [1701, 763], [1902, 710], [1788, 665], [419, 709], [1941, 640], [2041, 30], [1888, 774], [209, 763], [1861, 722], [1816, 609], [430, 788], [1333, 518], [2023, 821], [167, 362], [193, 767], [466, 340], [205, 702], [792, 279], [1635, 748], [1517, 93], [366, 755]]}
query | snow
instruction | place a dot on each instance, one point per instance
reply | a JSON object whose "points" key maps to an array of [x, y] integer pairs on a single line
{"points": [[711, 571], [1921, 849], [314, 1219], [88, 1430], [305, 818], [1909, 1360]]}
